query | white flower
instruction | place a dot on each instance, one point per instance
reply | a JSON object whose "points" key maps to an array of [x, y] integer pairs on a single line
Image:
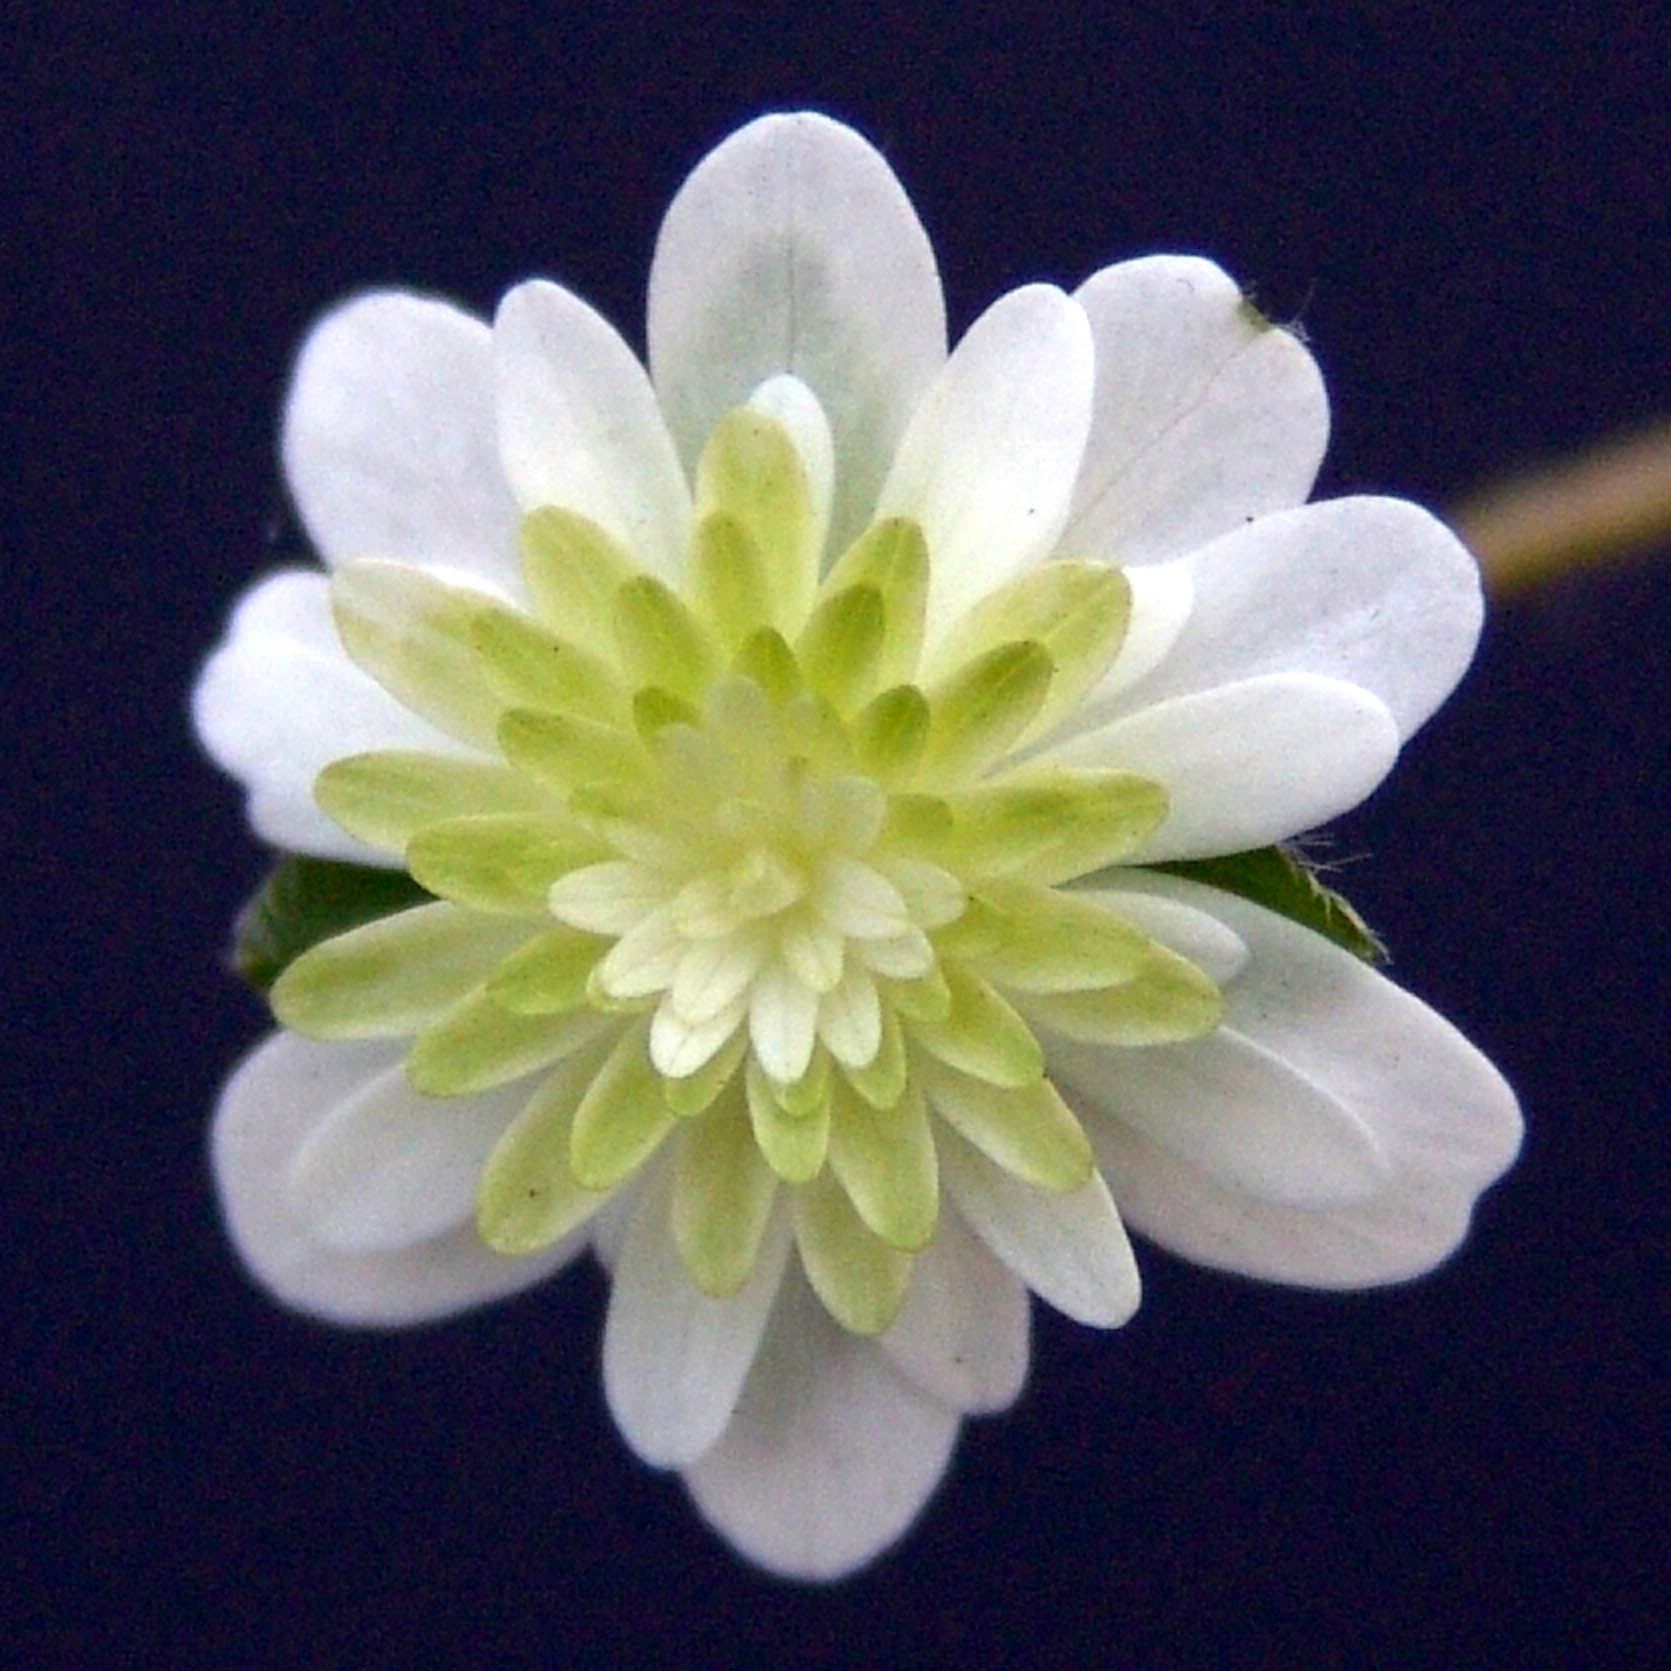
{"points": [[788, 733]]}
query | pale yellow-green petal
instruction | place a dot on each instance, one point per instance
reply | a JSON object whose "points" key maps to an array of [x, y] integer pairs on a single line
{"points": [[563, 750], [548, 974], [1076, 610], [884, 1159], [890, 733], [622, 1118], [478, 1045], [393, 976], [750, 471], [977, 714], [794, 1145], [1167, 1002], [840, 649], [574, 569], [858, 1276], [500, 863], [530, 667], [386, 797], [527, 1196], [722, 1198], [1037, 939], [881, 1082], [727, 579], [982, 1035], [1029, 1130], [1049, 824], [892, 557], [414, 635], [661, 642]]}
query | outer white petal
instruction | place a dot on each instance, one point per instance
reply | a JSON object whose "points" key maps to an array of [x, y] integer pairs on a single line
{"points": [[390, 444], [988, 462], [1071, 1250], [1441, 1114], [1372, 591], [387, 1168], [831, 1454], [1212, 946], [580, 427], [279, 700], [962, 1331], [1250, 1121], [1206, 414], [278, 1097], [792, 248], [1248, 764], [674, 1361]]}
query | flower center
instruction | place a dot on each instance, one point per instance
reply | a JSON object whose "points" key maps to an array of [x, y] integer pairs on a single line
{"points": [[752, 864]]}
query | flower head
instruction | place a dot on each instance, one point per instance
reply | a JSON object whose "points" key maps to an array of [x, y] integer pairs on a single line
{"points": [[783, 742]]}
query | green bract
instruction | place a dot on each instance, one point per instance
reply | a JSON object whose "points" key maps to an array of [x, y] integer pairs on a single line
{"points": [[741, 868]]}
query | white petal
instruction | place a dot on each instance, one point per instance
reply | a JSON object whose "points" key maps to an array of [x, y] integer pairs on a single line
{"points": [[988, 463], [607, 898], [1232, 1110], [580, 427], [280, 700], [275, 1101], [783, 1023], [1443, 1117], [1247, 764], [674, 1360], [1372, 591], [1071, 1250], [390, 445], [1162, 595], [1206, 414], [831, 1454], [850, 1019], [679, 1048], [645, 959], [1212, 946], [792, 248], [962, 1331], [387, 1168]]}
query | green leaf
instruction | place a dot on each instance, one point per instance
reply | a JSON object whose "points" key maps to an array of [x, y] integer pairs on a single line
{"points": [[304, 901], [1280, 879]]}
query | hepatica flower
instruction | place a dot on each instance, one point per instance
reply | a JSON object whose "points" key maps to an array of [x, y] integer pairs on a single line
{"points": [[832, 792]]}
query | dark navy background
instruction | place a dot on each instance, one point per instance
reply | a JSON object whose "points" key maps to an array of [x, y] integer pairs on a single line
{"points": [[1469, 216]]}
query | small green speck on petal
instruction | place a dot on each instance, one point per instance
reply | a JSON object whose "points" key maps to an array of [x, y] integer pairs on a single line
{"points": [[858, 1276], [840, 648], [387, 797], [722, 1198], [892, 557], [982, 1035], [503, 863], [750, 471], [979, 712], [660, 641], [890, 734], [884, 1159], [414, 635], [531, 668], [562, 750], [574, 569], [794, 1145], [1077, 611], [1167, 1002], [1045, 940], [549, 973], [527, 1197], [393, 976], [1051, 824], [622, 1118], [1029, 1131], [478, 1045]]}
